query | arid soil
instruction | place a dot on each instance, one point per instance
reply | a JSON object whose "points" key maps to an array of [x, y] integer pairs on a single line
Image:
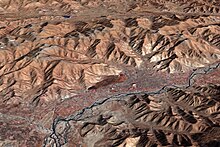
{"points": [[102, 73]]}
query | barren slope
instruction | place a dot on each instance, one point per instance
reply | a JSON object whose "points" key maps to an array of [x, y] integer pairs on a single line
{"points": [[178, 117], [60, 56]]}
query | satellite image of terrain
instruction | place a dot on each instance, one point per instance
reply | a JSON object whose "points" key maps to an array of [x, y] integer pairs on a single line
{"points": [[109, 73]]}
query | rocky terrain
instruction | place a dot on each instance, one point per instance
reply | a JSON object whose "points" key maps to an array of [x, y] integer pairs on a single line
{"points": [[109, 73], [177, 117]]}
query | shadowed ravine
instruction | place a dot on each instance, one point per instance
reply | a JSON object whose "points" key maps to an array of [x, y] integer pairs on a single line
{"points": [[100, 73], [83, 114]]}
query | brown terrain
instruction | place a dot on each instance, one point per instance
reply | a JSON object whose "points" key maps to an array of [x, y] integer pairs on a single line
{"points": [[107, 73]]}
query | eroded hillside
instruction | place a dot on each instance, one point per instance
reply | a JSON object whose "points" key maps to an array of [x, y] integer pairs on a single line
{"points": [[178, 117], [60, 56]]}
